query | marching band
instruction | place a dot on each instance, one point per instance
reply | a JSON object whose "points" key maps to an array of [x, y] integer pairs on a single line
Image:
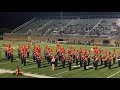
{"points": [[79, 57]]}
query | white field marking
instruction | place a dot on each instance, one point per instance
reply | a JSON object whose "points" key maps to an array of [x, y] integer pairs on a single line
{"points": [[41, 74], [37, 76], [59, 73], [25, 74], [76, 66], [29, 60], [59, 77], [113, 74]]}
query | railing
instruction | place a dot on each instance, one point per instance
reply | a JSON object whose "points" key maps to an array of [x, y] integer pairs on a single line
{"points": [[63, 35], [21, 26], [81, 16], [44, 25]]}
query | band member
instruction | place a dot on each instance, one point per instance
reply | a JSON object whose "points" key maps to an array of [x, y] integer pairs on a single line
{"points": [[12, 41], [50, 58], [70, 62], [85, 61], [45, 53], [33, 56], [89, 59], [114, 58], [6, 52], [109, 62], [118, 60], [28, 52], [17, 72], [106, 60], [81, 60], [19, 51], [77, 58], [93, 59], [36, 55], [56, 60], [24, 58], [96, 61], [63, 60], [74, 57], [11, 54], [102, 59], [60, 55], [53, 63], [47, 56], [39, 58], [21, 56]]}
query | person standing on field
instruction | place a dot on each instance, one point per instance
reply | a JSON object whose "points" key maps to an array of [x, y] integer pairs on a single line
{"points": [[53, 63]]}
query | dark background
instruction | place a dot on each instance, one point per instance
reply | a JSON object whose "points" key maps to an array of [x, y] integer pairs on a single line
{"points": [[13, 19]]}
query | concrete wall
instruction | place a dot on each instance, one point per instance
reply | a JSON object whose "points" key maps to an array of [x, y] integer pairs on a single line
{"points": [[52, 38]]}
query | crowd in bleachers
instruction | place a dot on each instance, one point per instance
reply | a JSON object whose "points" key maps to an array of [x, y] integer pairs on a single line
{"points": [[86, 27]]}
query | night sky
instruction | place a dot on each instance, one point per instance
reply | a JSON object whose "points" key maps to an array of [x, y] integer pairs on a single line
{"points": [[14, 19]]}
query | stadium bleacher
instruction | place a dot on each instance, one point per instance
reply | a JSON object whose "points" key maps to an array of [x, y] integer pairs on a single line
{"points": [[71, 26]]}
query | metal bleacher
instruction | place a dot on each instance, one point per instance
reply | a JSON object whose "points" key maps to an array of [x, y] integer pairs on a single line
{"points": [[69, 26]]}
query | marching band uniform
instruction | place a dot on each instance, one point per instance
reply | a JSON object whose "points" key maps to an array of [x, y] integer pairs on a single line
{"points": [[96, 62], [53, 63], [119, 61], [24, 58], [114, 58], [109, 62], [88, 59], [105, 61], [28, 52], [85, 62], [63, 61], [70, 62], [81, 60], [39, 57], [77, 58], [33, 56], [56, 60]]}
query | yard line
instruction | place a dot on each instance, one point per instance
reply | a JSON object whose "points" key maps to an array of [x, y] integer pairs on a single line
{"points": [[59, 73], [25, 74], [37, 76], [113, 74], [59, 77]]}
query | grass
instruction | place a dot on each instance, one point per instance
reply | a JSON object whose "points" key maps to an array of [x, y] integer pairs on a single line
{"points": [[8, 75], [31, 66]]}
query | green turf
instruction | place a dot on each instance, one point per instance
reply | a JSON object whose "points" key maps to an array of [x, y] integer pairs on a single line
{"points": [[31, 66]]}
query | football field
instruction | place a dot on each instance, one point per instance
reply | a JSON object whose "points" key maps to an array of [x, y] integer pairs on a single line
{"points": [[31, 70]]}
